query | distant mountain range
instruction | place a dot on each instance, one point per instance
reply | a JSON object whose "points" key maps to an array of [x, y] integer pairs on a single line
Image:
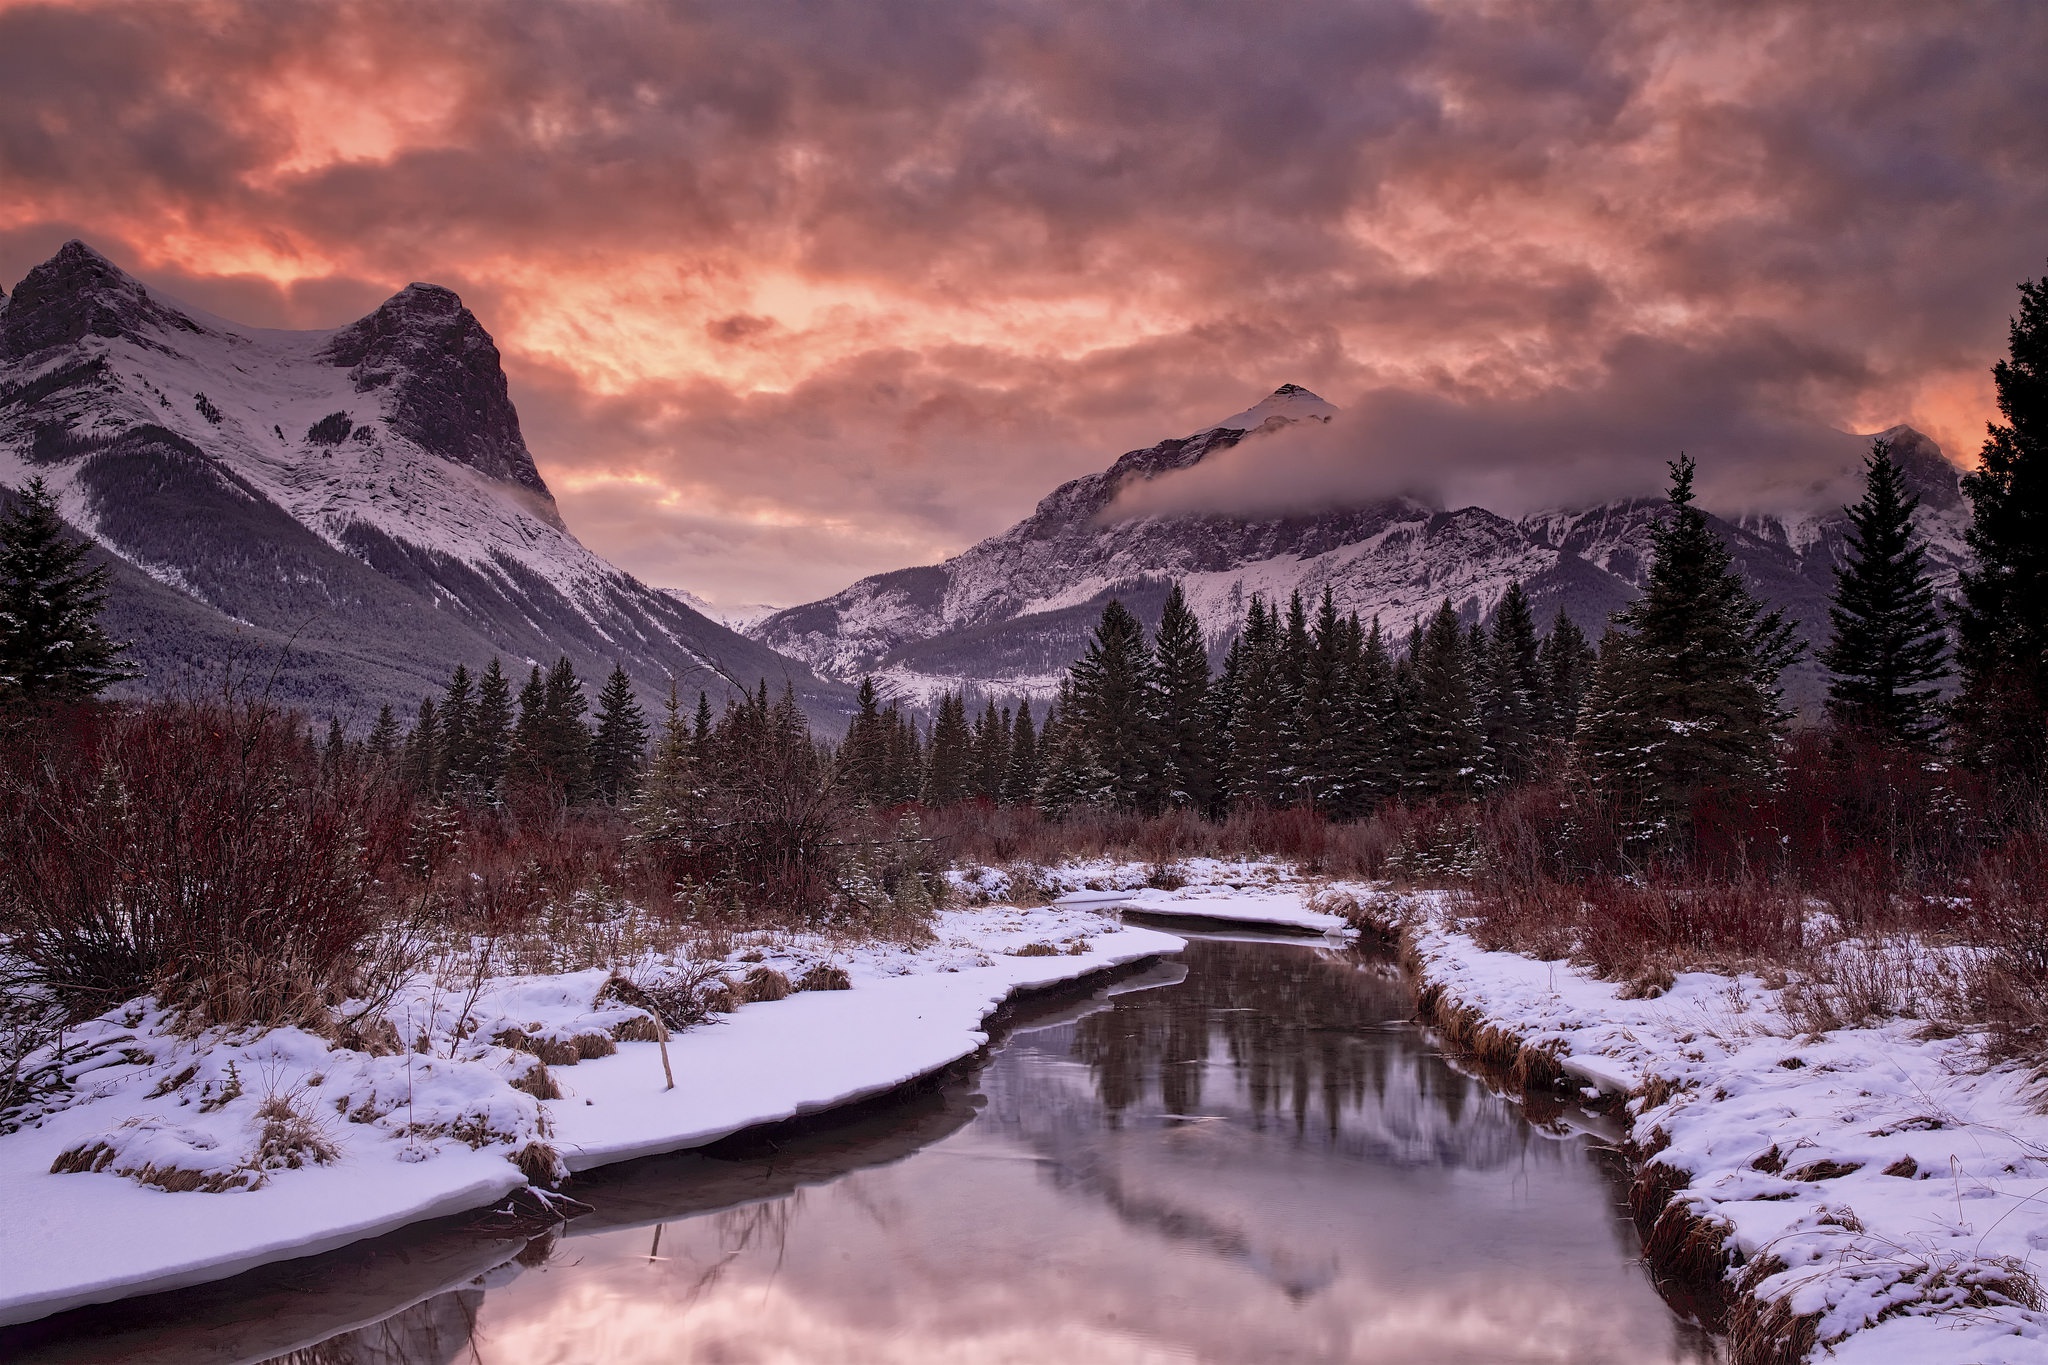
{"points": [[1009, 614], [345, 514]]}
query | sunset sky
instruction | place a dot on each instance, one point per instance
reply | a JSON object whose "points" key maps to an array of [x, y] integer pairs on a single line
{"points": [[792, 293]]}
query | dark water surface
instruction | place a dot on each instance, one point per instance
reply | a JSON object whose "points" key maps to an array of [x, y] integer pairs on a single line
{"points": [[1261, 1162]]}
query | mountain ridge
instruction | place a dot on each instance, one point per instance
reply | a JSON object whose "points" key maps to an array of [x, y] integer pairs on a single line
{"points": [[1007, 614], [356, 504]]}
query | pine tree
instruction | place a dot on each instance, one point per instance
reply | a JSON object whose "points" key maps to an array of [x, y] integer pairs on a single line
{"points": [[383, 738], [1020, 781], [1887, 651], [491, 730], [864, 756], [1447, 743], [991, 750], [1687, 691], [1258, 773], [1115, 710], [1073, 779], [52, 647], [619, 749], [669, 799], [456, 757], [1312, 739], [337, 743], [567, 737], [421, 760], [1187, 743], [1567, 659], [2001, 713], [1515, 695], [949, 768]]}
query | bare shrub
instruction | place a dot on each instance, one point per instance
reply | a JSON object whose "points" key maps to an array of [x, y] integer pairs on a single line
{"points": [[826, 976], [201, 852], [764, 983]]}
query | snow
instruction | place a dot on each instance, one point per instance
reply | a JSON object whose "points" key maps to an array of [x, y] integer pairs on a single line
{"points": [[1282, 908], [1759, 1106], [417, 1134], [1289, 404]]}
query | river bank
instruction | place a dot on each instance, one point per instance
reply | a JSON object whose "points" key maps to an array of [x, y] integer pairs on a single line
{"points": [[170, 1159], [1871, 1194]]}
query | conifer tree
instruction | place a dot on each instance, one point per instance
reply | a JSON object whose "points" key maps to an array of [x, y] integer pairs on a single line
{"points": [[337, 743], [701, 724], [2001, 712], [567, 737], [1020, 780], [1515, 694], [991, 748], [1375, 724], [1258, 769], [52, 647], [1073, 779], [864, 756], [1115, 709], [1567, 660], [421, 760], [491, 730], [1446, 754], [457, 753], [618, 751], [383, 738], [1314, 768], [1887, 652], [949, 767], [669, 800], [1187, 740], [1687, 692]]}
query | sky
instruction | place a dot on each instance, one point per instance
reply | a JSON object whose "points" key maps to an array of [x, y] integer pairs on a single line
{"points": [[790, 293]]}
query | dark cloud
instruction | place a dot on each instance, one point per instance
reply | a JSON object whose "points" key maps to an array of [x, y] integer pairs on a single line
{"points": [[885, 270]]}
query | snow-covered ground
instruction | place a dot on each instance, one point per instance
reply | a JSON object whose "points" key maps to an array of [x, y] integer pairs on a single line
{"points": [[199, 1157], [1883, 1180]]}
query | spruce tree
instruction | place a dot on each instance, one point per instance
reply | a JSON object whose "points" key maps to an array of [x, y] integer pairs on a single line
{"points": [[991, 749], [618, 751], [457, 754], [1314, 722], [1020, 781], [2001, 713], [1688, 693], [52, 647], [491, 730], [421, 760], [1567, 659], [1187, 741], [1116, 710], [669, 800], [949, 769], [1515, 694], [864, 755], [1445, 734], [383, 738], [1886, 655], [1258, 768]]}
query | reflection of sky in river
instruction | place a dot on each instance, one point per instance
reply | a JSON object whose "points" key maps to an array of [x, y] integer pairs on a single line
{"points": [[1251, 1166]]}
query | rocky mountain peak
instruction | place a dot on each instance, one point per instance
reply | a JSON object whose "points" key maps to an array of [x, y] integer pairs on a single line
{"points": [[448, 391], [1286, 405], [75, 294], [1928, 472]]}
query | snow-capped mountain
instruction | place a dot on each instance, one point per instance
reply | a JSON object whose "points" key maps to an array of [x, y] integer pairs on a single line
{"points": [[345, 513], [1009, 614]]}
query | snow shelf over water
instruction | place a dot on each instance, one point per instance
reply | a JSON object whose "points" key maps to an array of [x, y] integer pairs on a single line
{"points": [[83, 1238], [1279, 907]]}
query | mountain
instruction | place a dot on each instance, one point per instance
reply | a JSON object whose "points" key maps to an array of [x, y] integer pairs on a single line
{"points": [[1009, 614], [344, 514]]}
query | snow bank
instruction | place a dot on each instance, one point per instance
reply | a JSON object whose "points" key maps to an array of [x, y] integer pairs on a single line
{"points": [[1880, 1183], [1276, 908], [310, 1146]]}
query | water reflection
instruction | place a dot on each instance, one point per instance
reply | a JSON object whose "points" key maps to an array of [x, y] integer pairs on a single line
{"points": [[1263, 1162]]}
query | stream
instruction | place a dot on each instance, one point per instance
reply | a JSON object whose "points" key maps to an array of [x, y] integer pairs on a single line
{"points": [[1247, 1154]]}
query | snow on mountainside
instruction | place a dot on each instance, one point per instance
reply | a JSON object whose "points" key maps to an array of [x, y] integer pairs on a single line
{"points": [[353, 510], [1009, 614], [738, 617]]}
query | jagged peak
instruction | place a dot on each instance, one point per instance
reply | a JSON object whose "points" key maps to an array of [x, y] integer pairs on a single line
{"points": [[1286, 405], [78, 293]]}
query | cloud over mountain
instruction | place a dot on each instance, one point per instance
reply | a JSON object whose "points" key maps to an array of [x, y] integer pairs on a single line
{"points": [[793, 292]]}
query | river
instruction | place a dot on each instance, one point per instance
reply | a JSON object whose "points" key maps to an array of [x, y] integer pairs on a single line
{"points": [[1250, 1154]]}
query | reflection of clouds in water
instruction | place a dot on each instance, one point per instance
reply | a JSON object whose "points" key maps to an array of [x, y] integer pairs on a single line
{"points": [[1426, 1223], [436, 1332]]}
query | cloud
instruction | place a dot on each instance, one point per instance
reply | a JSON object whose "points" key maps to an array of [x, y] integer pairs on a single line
{"points": [[888, 271]]}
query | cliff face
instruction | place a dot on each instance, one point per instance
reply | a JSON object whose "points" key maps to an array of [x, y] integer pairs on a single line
{"points": [[347, 514]]}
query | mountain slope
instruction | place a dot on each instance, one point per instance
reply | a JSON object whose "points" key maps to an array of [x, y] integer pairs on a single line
{"points": [[348, 513], [1009, 614]]}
